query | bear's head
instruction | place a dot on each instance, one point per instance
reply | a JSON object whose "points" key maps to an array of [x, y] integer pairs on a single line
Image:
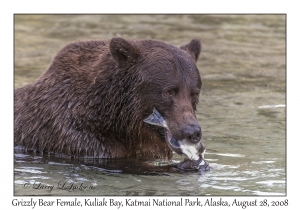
{"points": [[166, 78]]}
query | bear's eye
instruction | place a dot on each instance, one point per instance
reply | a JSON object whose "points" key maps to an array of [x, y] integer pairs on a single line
{"points": [[169, 92], [195, 94]]}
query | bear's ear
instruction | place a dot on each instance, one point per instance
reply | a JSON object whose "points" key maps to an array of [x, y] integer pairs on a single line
{"points": [[125, 53], [193, 48]]}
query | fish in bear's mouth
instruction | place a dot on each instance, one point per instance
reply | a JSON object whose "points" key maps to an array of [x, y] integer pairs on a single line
{"points": [[194, 152]]}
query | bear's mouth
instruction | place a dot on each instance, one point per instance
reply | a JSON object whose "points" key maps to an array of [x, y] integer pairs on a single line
{"points": [[173, 143], [191, 150]]}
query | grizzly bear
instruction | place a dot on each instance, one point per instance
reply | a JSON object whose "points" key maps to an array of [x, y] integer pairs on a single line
{"points": [[93, 99]]}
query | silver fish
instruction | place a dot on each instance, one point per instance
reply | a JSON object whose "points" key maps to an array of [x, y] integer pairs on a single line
{"points": [[157, 119]]}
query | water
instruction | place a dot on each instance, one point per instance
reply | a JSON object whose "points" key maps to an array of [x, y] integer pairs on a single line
{"points": [[242, 105]]}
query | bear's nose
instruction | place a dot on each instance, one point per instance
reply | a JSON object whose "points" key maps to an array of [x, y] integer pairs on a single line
{"points": [[192, 133]]}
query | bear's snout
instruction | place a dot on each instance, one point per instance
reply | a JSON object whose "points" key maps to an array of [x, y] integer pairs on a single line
{"points": [[192, 133]]}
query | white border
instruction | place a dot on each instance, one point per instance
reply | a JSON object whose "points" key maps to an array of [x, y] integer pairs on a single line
{"points": [[8, 8]]}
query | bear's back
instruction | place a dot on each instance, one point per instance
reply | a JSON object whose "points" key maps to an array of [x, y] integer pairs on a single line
{"points": [[83, 59]]}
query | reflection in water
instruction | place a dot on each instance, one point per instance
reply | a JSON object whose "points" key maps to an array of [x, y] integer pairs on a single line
{"points": [[241, 109]]}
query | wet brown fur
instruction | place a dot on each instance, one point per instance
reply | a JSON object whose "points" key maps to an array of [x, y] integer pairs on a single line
{"points": [[93, 98]]}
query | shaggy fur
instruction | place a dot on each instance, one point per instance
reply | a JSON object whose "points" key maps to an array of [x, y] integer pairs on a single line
{"points": [[93, 98]]}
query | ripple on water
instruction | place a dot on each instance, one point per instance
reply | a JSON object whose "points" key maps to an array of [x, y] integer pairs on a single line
{"points": [[30, 170], [227, 154], [271, 106], [82, 179], [220, 187], [18, 155], [263, 162], [271, 183], [231, 178], [266, 193], [21, 182], [61, 164], [37, 177]]}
